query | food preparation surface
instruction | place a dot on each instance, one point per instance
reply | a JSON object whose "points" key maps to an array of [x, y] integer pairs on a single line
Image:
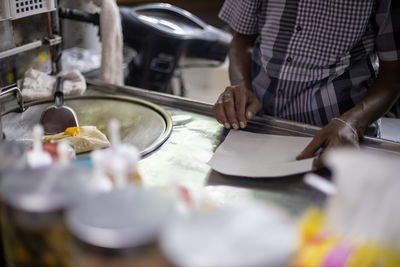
{"points": [[143, 124], [184, 157]]}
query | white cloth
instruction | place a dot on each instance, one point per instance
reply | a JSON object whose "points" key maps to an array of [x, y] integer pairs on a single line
{"points": [[111, 42], [38, 85]]}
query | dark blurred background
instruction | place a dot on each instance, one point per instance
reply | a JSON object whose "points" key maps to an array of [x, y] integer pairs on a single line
{"points": [[205, 9]]}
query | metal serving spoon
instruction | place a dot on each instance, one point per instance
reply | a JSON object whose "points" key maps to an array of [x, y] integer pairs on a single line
{"points": [[56, 118]]}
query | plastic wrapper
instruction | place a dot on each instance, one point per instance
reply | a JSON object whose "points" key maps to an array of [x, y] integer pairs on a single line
{"points": [[82, 59]]}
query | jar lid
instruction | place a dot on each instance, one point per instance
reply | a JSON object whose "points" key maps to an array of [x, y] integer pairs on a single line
{"points": [[121, 218], [250, 235], [44, 189]]}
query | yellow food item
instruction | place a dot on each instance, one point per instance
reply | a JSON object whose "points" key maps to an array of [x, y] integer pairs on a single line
{"points": [[83, 139], [73, 131]]}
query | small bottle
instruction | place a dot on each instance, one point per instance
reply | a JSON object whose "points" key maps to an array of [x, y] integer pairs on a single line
{"points": [[37, 157], [119, 159]]}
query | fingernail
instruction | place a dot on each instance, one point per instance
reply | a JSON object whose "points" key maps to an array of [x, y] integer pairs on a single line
{"points": [[242, 124], [249, 114], [235, 126], [227, 125]]}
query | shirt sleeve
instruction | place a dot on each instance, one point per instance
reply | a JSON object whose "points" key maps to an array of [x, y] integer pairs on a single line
{"points": [[388, 35], [241, 15]]}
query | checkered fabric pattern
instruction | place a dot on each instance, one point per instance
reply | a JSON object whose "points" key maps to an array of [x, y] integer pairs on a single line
{"points": [[314, 60]]}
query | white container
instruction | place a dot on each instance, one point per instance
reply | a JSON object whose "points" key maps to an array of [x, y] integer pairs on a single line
{"points": [[250, 235], [24, 8], [120, 227]]}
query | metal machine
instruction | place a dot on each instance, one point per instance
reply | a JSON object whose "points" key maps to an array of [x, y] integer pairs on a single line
{"points": [[30, 37], [162, 34]]}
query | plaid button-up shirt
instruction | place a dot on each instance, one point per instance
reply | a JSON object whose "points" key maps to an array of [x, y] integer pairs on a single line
{"points": [[315, 59]]}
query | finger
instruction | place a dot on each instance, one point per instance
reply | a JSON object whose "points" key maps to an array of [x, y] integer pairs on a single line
{"points": [[219, 112], [229, 108], [240, 105], [253, 107], [311, 148]]}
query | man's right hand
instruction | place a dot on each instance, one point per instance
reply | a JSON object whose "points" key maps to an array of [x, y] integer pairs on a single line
{"points": [[236, 105]]}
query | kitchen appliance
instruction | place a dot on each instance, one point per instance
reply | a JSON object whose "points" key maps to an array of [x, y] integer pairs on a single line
{"points": [[30, 34], [162, 34]]}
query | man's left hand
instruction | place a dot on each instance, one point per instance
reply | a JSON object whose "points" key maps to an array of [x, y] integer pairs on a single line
{"points": [[334, 134]]}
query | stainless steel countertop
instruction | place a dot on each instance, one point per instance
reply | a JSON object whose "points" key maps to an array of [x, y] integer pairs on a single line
{"points": [[195, 136], [184, 157]]}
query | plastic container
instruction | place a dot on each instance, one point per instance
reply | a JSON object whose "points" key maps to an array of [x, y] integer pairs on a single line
{"points": [[249, 235], [119, 163], [10, 155], [120, 227], [112, 163], [24, 8], [34, 232], [37, 157]]}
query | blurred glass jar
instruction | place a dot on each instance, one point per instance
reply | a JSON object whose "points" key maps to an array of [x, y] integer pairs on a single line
{"points": [[11, 154], [120, 227], [33, 200], [248, 235]]}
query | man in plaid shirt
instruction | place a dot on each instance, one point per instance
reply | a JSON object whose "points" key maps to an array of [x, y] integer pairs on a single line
{"points": [[332, 63]]}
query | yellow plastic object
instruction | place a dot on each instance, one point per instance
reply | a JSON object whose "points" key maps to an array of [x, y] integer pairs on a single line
{"points": [[374, 255], [320, 248], [314, 252], [312, 223], [72, 131]]}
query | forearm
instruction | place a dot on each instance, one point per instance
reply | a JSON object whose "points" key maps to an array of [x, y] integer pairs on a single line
{"points": [[240, 58], [382, 94]]}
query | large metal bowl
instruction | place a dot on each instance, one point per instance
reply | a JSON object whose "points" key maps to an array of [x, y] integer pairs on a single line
{"points": [[143, 124]]}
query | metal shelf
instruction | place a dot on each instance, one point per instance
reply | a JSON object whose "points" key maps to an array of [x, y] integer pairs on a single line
{"points": [[55, 40]]}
